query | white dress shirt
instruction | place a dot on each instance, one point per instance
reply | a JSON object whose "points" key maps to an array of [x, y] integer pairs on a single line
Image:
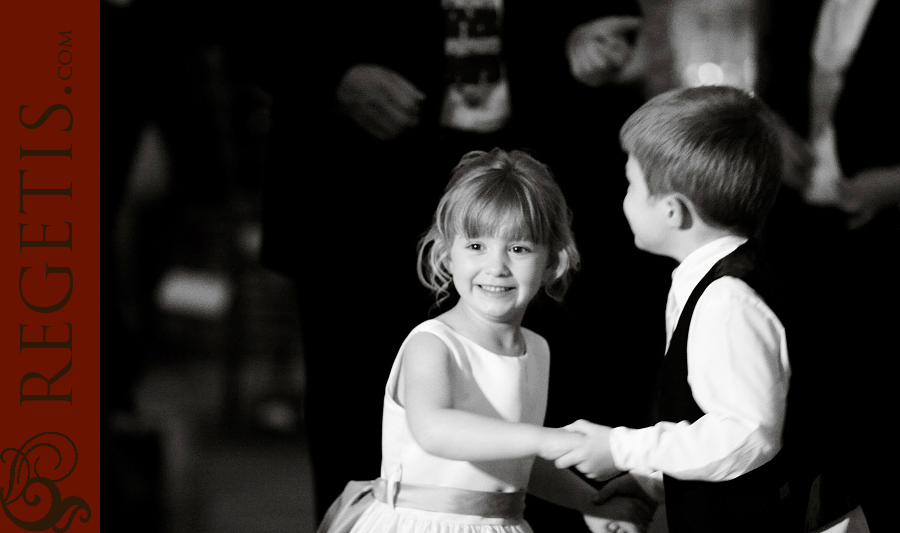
{"points": [[739, 374]]}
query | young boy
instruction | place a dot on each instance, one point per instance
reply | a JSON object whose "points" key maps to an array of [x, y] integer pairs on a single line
{"points": [[703, 170]]}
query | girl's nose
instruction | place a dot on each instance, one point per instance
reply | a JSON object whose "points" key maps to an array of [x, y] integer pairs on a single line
{"points": [[497, 263]]}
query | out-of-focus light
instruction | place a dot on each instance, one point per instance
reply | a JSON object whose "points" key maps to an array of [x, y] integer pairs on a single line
{"points": [[710, 74], [689, 75], [249, 239], [198, 293], [749, 72]]}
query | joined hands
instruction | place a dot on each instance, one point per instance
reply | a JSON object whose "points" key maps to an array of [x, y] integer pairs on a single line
{"points": [[621, 506], [557, 442], [592, 457]]}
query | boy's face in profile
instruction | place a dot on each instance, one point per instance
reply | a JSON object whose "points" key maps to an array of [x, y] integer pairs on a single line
{"points": [[646, 215]]}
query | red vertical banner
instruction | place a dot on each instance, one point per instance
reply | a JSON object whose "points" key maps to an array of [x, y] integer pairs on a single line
{"points": [[49, 275]]}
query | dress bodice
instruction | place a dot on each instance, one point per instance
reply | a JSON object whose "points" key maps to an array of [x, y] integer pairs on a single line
{"points": [[511, 388]]}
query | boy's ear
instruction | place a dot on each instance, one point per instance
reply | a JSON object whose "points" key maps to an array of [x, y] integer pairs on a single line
{"points": [[678, 211]]}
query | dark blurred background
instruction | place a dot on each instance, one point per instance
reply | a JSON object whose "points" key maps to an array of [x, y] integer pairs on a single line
{"points": [[203, 360]]}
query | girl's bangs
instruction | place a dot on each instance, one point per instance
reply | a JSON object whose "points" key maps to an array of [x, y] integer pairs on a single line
{"points": [[505, 218]]}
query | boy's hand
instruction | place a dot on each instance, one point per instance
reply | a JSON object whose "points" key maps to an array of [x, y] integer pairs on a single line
{"points": [[593, 456]]}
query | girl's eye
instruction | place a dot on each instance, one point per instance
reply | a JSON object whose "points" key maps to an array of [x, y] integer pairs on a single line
{"points": [[520, 249], [474, 246]]}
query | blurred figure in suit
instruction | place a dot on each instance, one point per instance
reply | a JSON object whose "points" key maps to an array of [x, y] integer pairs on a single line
{"points": [[827, 69]]}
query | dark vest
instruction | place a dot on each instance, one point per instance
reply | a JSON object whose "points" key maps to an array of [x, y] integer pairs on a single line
{"points": [[751, 502]]}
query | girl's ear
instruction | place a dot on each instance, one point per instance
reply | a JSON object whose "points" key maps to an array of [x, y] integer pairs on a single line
{"points": [[679, 212], [555, 268], [445, 266], [440, 258], [444, 255]]}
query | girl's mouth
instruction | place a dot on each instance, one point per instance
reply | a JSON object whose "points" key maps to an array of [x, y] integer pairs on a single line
{"points": [[495, 289]]}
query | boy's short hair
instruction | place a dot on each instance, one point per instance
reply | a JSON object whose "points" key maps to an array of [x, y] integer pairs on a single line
{"points": [[717, 145], [494, 192]]}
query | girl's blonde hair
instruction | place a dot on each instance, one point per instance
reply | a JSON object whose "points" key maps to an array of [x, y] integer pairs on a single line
{"points": [[493, 192]]}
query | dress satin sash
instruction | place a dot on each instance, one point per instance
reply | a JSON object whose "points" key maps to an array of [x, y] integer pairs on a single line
{"points": [[509, 505]]}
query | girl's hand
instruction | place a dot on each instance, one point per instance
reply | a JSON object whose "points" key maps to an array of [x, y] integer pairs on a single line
{"points": [[555, 443]]}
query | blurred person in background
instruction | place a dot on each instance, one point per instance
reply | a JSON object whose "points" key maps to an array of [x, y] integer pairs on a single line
{"points": [[829, 70], [170, 163]]}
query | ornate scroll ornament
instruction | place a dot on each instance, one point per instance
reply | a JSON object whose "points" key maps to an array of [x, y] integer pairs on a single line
{"points": [[32, 501]]}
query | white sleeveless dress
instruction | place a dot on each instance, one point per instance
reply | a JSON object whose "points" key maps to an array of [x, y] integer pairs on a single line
{"points": [[508, 388]]}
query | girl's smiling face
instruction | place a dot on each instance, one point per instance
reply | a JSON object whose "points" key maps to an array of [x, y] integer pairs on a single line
{"points": [[496, 277]]}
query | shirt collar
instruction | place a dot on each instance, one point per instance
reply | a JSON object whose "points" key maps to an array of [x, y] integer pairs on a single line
{"points": [[696, 265]]}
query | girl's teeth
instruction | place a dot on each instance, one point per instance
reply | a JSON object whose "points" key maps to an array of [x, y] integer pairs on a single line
{"points": [[496, 289]]}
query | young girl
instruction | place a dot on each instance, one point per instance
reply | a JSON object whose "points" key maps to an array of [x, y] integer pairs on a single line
{"points": [[465, 400]]}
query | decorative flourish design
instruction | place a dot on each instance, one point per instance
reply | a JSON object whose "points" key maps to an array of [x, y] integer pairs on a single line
{"points": [[33, 478]]}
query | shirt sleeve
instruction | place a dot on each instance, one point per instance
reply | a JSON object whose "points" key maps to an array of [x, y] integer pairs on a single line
{"points": [[739, 373]]}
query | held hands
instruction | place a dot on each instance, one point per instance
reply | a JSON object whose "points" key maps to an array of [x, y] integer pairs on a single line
{"points": [[621, 506], [599, 50], [381, 101], [593, 456], [557, 442]]}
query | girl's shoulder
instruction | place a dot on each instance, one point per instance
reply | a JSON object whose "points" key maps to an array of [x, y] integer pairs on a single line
{"points": [[457, 343], [445, 332], [430, 332], [431, 325], [435, 327], [537, 344], [532, 335]]}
